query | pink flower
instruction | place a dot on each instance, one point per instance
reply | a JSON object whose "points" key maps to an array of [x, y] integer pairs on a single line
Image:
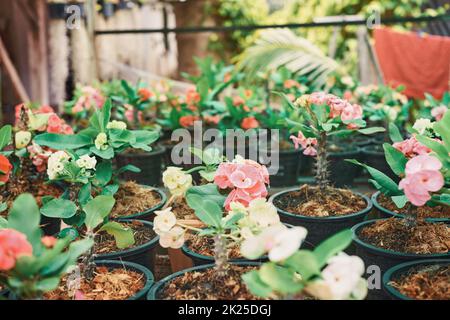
{"points": [[318, 98], [49, 241], [305, 143], [129, 114], [249, 123], [337, 105], [438, 112], [13, 245], [57, 125], [238, 101], [411, 147], [45, 109], [351, 112], [422, 177]]}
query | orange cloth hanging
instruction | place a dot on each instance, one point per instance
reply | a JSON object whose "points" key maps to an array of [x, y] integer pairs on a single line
{"points": [[420, 62]]}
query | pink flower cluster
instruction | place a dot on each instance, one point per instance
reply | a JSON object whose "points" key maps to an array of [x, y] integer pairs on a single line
{"points": [[422, 177], [338, 107], [247, 180], [39, 156], [438, 112], [306, 143], [57, 125], [13, 245], [411, 147], [89, 98]]}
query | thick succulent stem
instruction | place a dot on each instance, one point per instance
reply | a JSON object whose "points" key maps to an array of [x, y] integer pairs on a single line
{"points": [[87, 261], [220, 255], [411, 217], [322, 162]]}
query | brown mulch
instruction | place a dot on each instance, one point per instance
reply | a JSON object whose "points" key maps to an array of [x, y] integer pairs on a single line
{"points": [[309, 201], [425, 283], [207, 285], [131, 198], [105, 243], [393, 234], [422, 212], [115, 284], [181, 210], [205, 246]]}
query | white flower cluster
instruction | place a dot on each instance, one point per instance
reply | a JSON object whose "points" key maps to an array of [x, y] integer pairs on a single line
{"points": [[341, 279], [176, 180], [86, 162], [56, 162], [422, 124], [164, 225], [101, 141], [119, 125], [279, 241]]}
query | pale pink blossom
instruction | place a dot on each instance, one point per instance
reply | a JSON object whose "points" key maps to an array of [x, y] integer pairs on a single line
{"points": [[438, 112], [13, 245], [306, 143], [318, 98], [411, 147], [422, 177]]}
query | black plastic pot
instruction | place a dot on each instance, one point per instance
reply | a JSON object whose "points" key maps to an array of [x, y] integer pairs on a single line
{"points": [[383, 258], [343, 173], [4, 294], [143, 255], [373, 156], [385, 213], [401, 269], [150, 164], [57, 10], [155, 290], [148, 214], [320, 228], [50, 226], [289, 163]]}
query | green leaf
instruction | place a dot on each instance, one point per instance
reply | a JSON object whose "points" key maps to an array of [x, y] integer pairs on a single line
{"points": [[128, 167], [207, 175], [47, 284], [110, 189], [62, 141], [332, 246], [206, 210], [106, 110], [437, 147], [144, 138], [210, 191], [5, 136], [305, 263], [72, 233], [371, 130], [85, 194], [3, 223], [396, 159], [77, 248], [400, 201], [98, 209], [106, 154], [3, 206], [394, 133], [442, 127], [122, 234], [280, 279], [256, 285], [383, 183], [25, 217], [56, 266], [103, 173], [59, 208]]}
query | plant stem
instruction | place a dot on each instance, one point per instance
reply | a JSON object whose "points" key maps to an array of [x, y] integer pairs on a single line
{"points": [[88, 265], [411, 217], [322, 162], [220, 255]]}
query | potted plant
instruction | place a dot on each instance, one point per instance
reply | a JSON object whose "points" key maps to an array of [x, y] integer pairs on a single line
{"points": [[423, 188], [323, 209], [418, 280], [325, 273], [32, 264]]}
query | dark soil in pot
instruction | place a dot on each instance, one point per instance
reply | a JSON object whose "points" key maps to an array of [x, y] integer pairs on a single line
{"points": [[150, 163], [113, 280], [322, 214], [142, 252], [203, 283], [387, 242], [134, 201], [39, 189], [419, 280], [388, 208], [343, 173]]}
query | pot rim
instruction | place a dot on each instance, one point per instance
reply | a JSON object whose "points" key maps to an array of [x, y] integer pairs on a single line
{"points": [[151, 295], [131, 251], [404, 267], [322, 219], [150, 210], [386, 252], [150, 279], [377, 205]]}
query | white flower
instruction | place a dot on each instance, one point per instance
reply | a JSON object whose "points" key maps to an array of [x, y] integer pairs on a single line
{"points": [[341, 279], [174, 238], [391, 112], [263, 213], [164, 221], [421, 125], [101, 141], [348, 81], [120, 125], [177, 181], [279, 241], [22, 139], [55, 163], [86, 162]]}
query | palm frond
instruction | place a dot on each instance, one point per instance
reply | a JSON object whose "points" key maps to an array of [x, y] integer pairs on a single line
{"points": [[281, 47]]}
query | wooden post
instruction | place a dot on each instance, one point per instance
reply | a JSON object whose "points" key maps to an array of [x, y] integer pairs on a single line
{"points": [[90, 18]]}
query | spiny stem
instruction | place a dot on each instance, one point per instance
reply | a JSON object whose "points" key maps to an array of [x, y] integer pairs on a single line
{"points": [[220, 255], [322, 162]]}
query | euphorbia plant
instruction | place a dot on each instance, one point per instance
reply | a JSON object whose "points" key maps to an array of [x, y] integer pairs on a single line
{"points": [[323, 273], [30, 264], [422, 164], [326, 115]]}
